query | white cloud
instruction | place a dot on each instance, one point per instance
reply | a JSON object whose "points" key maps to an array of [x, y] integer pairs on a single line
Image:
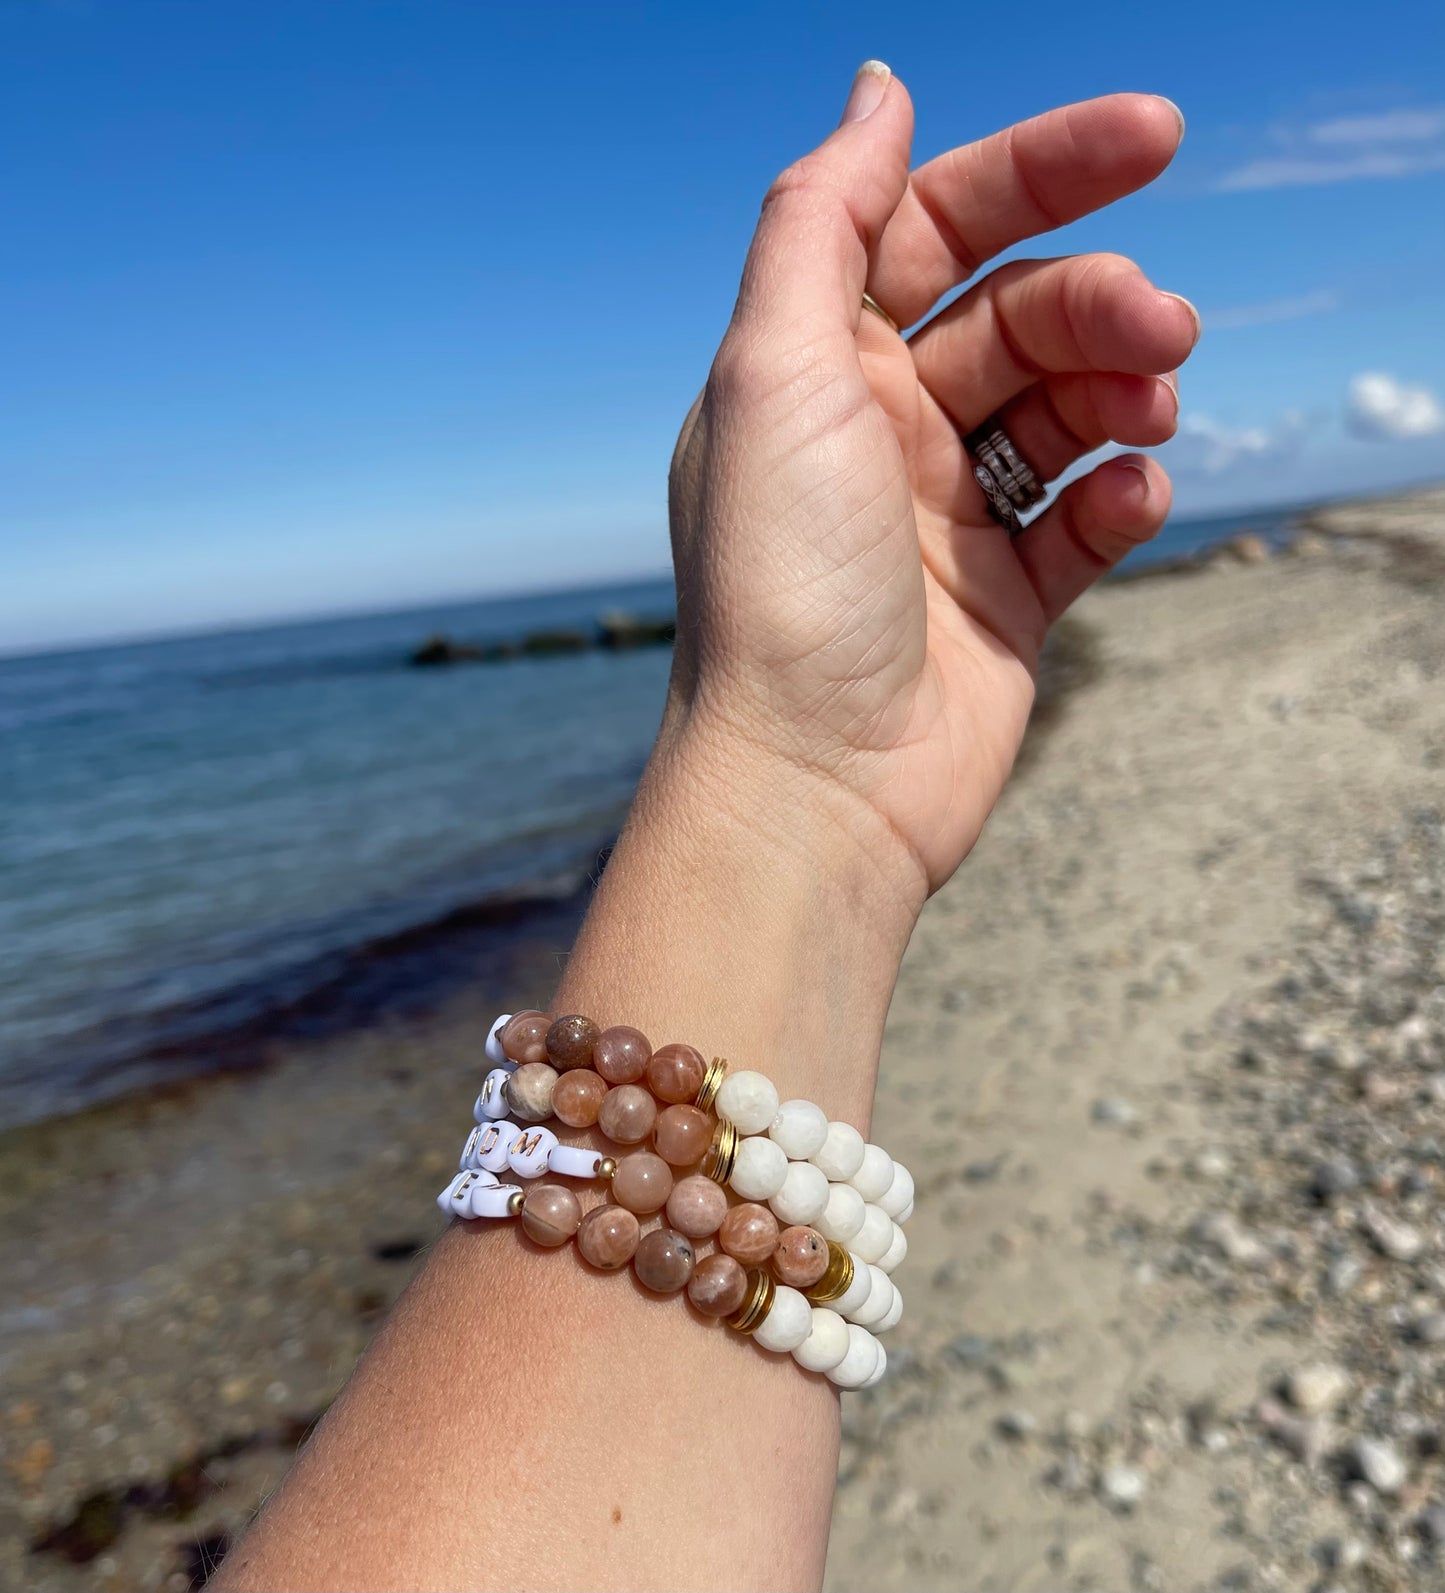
{"points": [[1236, 316], [1302, 172], [1382, 407], [1390, 127], [1206, 447]]}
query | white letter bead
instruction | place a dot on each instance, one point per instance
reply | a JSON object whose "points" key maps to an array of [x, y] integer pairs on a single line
{"points": [[468, 1161], [803, 1196], [494, 1201], [843, 1215], [800, 1128], [826, 1343], [859, 1364], [905, 1214], [748, 1101], [574, 1161], [456, 1198], [531, 1151], [491, 1103], [495, 1054], [842, 1152], [875, 1172], [857, 1291], [873, 1238], [788, 1322], [898, 1194], [878, 1370], [879, 1301], [494, 1141], [760, 1169], [895, 1313], [895, 1251]]}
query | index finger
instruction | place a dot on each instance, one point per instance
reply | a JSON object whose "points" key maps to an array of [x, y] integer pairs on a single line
{"points": [[976, 201]]}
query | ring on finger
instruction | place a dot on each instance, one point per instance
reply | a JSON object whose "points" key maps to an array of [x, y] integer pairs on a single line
{"points": [[870, 303], [991, 445]]}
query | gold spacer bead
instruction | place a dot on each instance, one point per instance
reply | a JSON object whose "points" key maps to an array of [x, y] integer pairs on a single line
{"points": [[722, 1154], [607, 1168], [757, 1302], [837, 1280], [514, 1203], [711, 1084]]}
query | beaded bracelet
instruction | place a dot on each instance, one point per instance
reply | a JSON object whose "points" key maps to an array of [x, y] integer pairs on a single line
{"points": [[822, 1301]]}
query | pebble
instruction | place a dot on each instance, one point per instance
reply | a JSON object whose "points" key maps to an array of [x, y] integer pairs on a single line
{"points": [[1222, 1232], [1432, 1523], [1114, 1111], [1334, 1177], [1392, 1238], [1429, 1328], [1016, 1424], [1316, 1388], [1307, 1439], [1122, 1487], [1377, 1462]]}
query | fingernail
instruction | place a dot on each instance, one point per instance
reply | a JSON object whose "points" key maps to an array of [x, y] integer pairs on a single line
{"points": [[1193, 314], [1171, 382], [1139, 470], [870, 84], [1173, 107]]}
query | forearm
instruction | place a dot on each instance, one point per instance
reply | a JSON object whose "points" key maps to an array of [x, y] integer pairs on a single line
{"points": [[523, 1421]]}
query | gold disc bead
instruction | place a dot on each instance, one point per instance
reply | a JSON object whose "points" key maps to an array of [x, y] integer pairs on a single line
{"points": [[757, 1302], [607, 1168], [711, 1083], [722, 1154], [514, 1203], [837, 1280]]}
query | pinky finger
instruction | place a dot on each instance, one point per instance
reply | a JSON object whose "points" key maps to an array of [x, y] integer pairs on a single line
{"points": [[1092, 524]]}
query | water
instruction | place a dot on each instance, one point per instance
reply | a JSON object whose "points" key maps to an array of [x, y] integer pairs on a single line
{"points": [[195, 834]]}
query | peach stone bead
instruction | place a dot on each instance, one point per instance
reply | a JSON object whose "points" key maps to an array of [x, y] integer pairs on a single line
{"points": [[621, 1054], [525, 1037], [697, 1206], [570, 1041], [675, 1073], [717, 1285], [577, 1098], [608, 1237], [682, 1135], [643, 1183], [664, 1261], [801, 1257], [550, 1214], [627, 1114], [749, 1233]]}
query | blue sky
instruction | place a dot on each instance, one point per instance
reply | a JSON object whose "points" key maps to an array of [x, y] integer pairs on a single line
{"points": [[328, 306]]}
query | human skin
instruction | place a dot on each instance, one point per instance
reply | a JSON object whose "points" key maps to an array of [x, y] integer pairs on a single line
{"points": [[857, 644]]}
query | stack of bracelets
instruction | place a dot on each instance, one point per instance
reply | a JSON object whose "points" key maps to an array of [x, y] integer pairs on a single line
{"points": [[802, 1257]]}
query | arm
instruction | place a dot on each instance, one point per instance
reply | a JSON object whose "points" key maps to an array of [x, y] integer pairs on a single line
{"points": [[853, 674]]}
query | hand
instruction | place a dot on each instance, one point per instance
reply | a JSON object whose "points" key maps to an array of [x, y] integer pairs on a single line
{"points": [[848, 612]]}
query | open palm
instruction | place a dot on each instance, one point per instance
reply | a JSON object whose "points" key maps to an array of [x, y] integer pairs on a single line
{"points": [[845, 601]]}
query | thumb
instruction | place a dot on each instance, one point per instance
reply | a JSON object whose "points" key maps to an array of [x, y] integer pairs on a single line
{"points": [[824, 215]]}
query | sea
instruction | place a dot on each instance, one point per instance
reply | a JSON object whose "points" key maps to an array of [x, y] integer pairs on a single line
{"points": [[206, 841]]}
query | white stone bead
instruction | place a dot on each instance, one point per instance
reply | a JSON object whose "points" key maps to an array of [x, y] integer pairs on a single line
{"points": [[803, 1196], [530, 1151], [895, 1251], [879, 1301], [857, 1291], [760, 1169], [800, 1128], [748, 1101], [880, 1369], [842, 1153], [826, 1343], [491, 1103], [493, 1201], [843, 1215], [873, 1238], [895, 1313], [875, 1172], [494, 1142], [456, 1198], [574, 1161], [905, 1214], [898, 1194], [859, 1364], [788, 1322], [495, 1054]]}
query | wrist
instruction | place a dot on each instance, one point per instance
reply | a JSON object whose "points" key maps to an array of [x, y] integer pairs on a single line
{"points": [[755, 911]]}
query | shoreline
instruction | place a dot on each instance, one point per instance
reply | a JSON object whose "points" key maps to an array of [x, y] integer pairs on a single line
{"points": [[1101, 1293]]}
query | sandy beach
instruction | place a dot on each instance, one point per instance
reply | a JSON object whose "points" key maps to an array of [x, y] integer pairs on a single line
{"points": [[1168, 1061]]}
